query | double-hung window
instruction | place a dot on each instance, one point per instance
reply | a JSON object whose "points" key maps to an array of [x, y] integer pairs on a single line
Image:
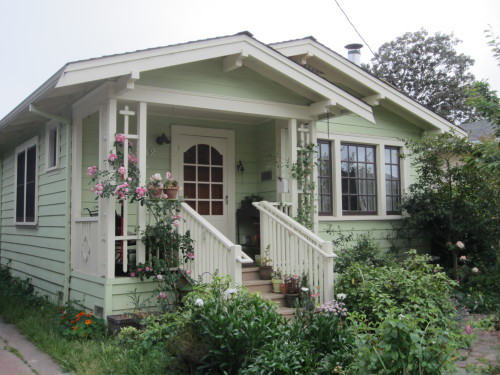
{"points": [[392, 180], [359, 179], [26, 182]]}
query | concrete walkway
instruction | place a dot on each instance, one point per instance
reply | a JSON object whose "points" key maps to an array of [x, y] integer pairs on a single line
{"points": [[18, 356], [482, 353]]}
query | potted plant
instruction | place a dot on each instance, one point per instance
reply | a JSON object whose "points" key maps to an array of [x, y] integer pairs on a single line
{"points": [[246, 202], [160, 188], [265, 268], [277, 280], [292, 290]]}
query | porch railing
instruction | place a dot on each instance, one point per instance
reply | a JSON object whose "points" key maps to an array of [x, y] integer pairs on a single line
{"points": [[294, 249], [85, 255], [213, 251]]}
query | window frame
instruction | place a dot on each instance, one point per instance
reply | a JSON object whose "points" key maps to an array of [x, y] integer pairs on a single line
{"points": [[330, 162], [389, 163], [379, 142], [52, 149], [33, 142]]}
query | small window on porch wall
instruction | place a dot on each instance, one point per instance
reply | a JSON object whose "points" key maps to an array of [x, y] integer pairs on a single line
{"points": [[26, 173], [325, 206], [52, 146], [359, 195], [203, 180], [392, 180]]}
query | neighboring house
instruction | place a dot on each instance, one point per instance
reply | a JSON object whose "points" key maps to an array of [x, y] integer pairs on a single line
{"points": [[478, 130], [233, 109]]}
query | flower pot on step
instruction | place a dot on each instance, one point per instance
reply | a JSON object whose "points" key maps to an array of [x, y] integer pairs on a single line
{"points": [[283, 288], [266, 272], [276, 285], [292, 300]]}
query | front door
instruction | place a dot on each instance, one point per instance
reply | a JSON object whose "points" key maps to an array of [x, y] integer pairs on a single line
{"points": [[201, 164]]}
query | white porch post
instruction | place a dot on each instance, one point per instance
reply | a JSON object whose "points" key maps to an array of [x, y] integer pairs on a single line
{"points": [[141, 154], [107, 130], [314, 139], [293, 189]]}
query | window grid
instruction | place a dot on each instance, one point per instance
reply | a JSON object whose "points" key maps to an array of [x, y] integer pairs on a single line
{"points": [[325, 181], [359, 180], [392, 180], [26, 173]]}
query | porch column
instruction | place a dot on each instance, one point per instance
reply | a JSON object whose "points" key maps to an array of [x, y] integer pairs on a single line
{"points": [[293, 189], [141, 155], [314, 176], [107, 131]]}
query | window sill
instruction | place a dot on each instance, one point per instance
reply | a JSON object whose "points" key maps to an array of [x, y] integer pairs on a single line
{"points": [[27, 225], [359, 218]]}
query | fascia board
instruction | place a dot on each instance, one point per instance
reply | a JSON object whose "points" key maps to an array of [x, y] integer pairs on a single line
{"points": [[113, 66], [308, 46]]}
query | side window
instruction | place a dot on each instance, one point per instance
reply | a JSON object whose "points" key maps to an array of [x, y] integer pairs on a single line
{"points": [[325, 202], [392, 180], [52, 146], [26, 181]]}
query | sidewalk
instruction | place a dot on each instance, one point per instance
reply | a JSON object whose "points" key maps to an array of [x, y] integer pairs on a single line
{"points": [[18, 356], [482, 353]]}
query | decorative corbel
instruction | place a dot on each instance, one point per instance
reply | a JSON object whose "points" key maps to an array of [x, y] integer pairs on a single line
{"points": [[127, 83], [373, 100], [233, 62]]}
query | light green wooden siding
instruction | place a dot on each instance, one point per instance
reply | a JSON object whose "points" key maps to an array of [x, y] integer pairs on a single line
{"points": [[37, 252], [90, 156], [208, 77]]}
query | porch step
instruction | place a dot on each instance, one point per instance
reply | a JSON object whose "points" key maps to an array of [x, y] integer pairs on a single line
{"points": [[250, 273], [277, 298], [287, 312], [263, 286]]}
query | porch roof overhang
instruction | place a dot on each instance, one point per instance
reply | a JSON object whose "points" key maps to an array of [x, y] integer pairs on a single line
{"points": [[76, 79], [344, 73]]}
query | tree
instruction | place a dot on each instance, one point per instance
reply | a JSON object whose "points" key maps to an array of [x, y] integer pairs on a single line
{"points": [[456, 197], [429, 70]]}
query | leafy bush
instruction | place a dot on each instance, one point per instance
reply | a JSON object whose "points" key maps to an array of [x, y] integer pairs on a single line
{"points": [[228, 325], [362, 249], [399, 345], [414, 287]]}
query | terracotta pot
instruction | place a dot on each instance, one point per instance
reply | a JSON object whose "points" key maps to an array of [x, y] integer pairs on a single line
{"points": [[155, 193], [266, 272], [117, 322], [171, 192], [283, 288], [277, 285]]}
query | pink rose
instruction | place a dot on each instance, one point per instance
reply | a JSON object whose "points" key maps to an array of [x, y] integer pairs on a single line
{"points": [[147, 269], [120, 138], [190, 255], [122, 170], [188, 272], [112, 157], [132, 274]]}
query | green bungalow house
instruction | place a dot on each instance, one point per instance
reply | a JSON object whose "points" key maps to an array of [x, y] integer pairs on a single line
{"points": [[227, 116]]}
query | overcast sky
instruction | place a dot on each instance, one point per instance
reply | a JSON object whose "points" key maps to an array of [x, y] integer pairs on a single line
{"points": [[37, 37]]}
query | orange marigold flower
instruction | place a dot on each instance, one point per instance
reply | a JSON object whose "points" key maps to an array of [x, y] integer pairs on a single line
{"points": [[72, 321], [88, 321], [81, 313], [75, 328], [89, 315]]}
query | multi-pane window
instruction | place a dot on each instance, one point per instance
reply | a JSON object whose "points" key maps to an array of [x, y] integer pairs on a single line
{"points": [[325, 206], [392, 180], [26, 172], [358, 170]]}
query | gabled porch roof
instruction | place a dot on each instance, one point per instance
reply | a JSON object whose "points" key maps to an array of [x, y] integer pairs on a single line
{"points": [[344, 73], [76, 79]]}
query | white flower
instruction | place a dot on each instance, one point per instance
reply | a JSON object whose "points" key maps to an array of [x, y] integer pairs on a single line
{"points": [[231, 291], [199, 302], [475, 270], [305, 289], [341, 296], [159, 277], [401, 316], [157, 176], [460, 244], [463, 257]]}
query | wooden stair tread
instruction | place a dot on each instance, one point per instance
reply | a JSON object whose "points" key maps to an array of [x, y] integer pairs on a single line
{"points": [[250, 269], [257, 282]]}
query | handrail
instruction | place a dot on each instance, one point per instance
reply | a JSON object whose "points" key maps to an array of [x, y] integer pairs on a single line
{"points": [[296, 250]]}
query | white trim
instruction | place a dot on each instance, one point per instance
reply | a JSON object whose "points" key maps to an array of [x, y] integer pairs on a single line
{"points": [[380, 143], [48, 145], [336, 62], [24, 147], [178, 130]]}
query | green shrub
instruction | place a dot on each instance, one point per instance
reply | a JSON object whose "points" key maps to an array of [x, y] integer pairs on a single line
{"points": [[229, 325], [414, 287], [76, 323], [399, 345]]}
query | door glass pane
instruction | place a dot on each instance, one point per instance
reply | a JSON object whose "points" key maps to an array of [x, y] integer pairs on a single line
{"points": [[190, 156], [189, 173], [216, 157], [217, 174], [204, 208], [203, 154], [203, 174], [203, 191], [189, 190], [192, 204], [216, 191], [217, 208]]}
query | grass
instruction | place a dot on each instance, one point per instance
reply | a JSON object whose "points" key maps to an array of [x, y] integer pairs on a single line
{"points": [[36, 318]]}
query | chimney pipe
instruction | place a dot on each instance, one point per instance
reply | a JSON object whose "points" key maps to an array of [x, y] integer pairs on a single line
{"points": [[354, 53]]}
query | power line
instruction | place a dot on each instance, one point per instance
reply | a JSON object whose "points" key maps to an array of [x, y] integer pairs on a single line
{"points": [[354, 27]]}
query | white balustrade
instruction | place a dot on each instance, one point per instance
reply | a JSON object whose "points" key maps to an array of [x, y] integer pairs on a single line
{"points": [[213, 251], [296, 250]]}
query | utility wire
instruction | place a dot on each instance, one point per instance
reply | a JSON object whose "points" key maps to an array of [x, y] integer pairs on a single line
{"points": [[354, 27]]}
